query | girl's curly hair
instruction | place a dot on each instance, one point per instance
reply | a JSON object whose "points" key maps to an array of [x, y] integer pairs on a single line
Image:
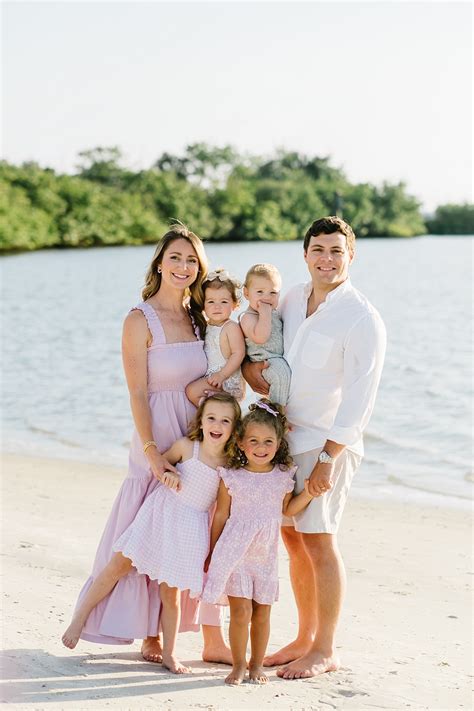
{"points": [[195, 426], [266, 413]]}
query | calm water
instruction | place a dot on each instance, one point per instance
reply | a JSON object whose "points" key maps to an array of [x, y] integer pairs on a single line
{"points": [[65, 396]]}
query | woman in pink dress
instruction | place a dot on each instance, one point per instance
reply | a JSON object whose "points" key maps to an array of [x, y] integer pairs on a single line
{"points": [[163, 351]]}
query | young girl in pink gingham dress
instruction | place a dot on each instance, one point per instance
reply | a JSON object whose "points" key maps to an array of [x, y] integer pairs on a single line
{"points": [[169, 538], [243, 560]]}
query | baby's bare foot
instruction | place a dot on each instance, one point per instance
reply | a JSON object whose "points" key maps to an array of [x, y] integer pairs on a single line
{"points": [[257, 675], [174, 665], [71, 636], [236, 676]]}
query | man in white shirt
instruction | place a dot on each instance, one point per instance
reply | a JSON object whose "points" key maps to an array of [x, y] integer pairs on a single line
{"points": [[335, 344]]}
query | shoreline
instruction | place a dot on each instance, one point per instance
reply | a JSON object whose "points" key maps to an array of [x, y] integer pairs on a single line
{"points": [[391, 490], [404, 635]]}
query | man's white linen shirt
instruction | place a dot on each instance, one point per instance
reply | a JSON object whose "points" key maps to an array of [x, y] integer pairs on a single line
{"points": [[336, 357]]}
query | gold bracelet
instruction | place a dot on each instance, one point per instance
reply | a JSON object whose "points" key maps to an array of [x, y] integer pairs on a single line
{"points": [[150, 443]]}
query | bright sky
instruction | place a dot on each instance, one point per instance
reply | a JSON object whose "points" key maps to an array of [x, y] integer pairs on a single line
{"points": [[384, 88]]}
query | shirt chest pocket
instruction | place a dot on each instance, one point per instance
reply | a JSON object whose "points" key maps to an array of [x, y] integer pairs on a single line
{"points": [[316, 350]]}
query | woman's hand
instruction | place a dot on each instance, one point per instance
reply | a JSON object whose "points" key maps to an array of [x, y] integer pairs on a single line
{"points": [[252, 373], [163, 470]]}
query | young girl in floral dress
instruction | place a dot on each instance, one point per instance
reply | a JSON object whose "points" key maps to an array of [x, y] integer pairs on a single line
{"points": [[243, 559]]}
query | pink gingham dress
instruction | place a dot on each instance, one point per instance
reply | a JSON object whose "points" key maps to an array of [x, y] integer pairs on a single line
{"points": [[169, 538], [244, 562]]}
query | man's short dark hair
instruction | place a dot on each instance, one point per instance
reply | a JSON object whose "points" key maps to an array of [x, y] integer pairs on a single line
{"points": [[328, 226]]}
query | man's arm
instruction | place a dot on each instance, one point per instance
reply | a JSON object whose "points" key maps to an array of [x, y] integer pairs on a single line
{"points": [[364, 354]]}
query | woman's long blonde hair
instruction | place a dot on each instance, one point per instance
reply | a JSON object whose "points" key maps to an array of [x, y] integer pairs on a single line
{"points": [[195, 293]]}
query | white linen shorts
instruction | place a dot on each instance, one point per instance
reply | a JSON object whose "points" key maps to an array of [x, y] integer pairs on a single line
{"points": [[323, 514]]}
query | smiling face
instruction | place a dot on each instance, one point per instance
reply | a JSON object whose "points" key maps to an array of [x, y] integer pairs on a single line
{"points": [[218, 305], [328, 259], [264, 289], [217, 422], [179, 265], [259, 443]]}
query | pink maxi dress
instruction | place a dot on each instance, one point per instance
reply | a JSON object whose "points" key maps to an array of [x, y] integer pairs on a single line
{"points": [[131, 611]]}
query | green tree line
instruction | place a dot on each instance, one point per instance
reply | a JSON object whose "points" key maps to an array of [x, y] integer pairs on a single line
{"points": [[219, 193]]}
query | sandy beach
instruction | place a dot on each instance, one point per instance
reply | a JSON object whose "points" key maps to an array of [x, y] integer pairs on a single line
{"points": [[404, 638]]}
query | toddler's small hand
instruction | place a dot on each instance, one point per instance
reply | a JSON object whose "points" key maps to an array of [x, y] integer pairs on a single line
{"points": [[263, 307], [306, 487], [216, 380]]}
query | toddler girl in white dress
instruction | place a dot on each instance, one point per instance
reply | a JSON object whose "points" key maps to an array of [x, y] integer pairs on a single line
{"points": [[224, 343]]}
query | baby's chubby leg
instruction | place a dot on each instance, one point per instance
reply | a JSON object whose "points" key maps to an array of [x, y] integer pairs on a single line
{"points": [[278, 376], [259, 634], [102, 585]]}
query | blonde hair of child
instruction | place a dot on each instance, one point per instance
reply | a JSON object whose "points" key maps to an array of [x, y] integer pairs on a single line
{"points": [[269, 271]]}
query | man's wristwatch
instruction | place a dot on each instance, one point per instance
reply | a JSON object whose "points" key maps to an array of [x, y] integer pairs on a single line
{"points": [[325, 458]]}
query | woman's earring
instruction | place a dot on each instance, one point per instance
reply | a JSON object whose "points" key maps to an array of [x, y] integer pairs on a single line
{"points": [[159, 270]]}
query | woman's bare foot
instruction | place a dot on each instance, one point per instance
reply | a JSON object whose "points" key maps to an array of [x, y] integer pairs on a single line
{"points": [[174, 665], [287, 654], [151, 650], [217, 654], [71, 636], [310, 664], [257, 675], [236, 676]]}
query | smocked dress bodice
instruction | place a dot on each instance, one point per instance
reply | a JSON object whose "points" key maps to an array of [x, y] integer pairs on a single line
{"points": [[171, 366]]}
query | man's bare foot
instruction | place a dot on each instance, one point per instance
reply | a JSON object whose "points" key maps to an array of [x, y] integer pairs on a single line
{"points": [[257, 675], [71, 636], [236, 676], [220, 654], [310, 664], [287, 654], [174, 665], [151, 650]]}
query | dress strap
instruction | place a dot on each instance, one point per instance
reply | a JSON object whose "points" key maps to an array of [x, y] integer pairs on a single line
{"points": [[153, 322], [196, 449]]}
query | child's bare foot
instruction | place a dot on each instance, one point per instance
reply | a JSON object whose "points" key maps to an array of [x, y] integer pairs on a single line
{"points": [[71, 636], [151, 650], [236, 676], [257, 675], [174, 665]]}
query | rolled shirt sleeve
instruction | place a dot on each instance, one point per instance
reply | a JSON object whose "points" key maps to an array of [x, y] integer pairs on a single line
{"points": [[364, 353]]}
